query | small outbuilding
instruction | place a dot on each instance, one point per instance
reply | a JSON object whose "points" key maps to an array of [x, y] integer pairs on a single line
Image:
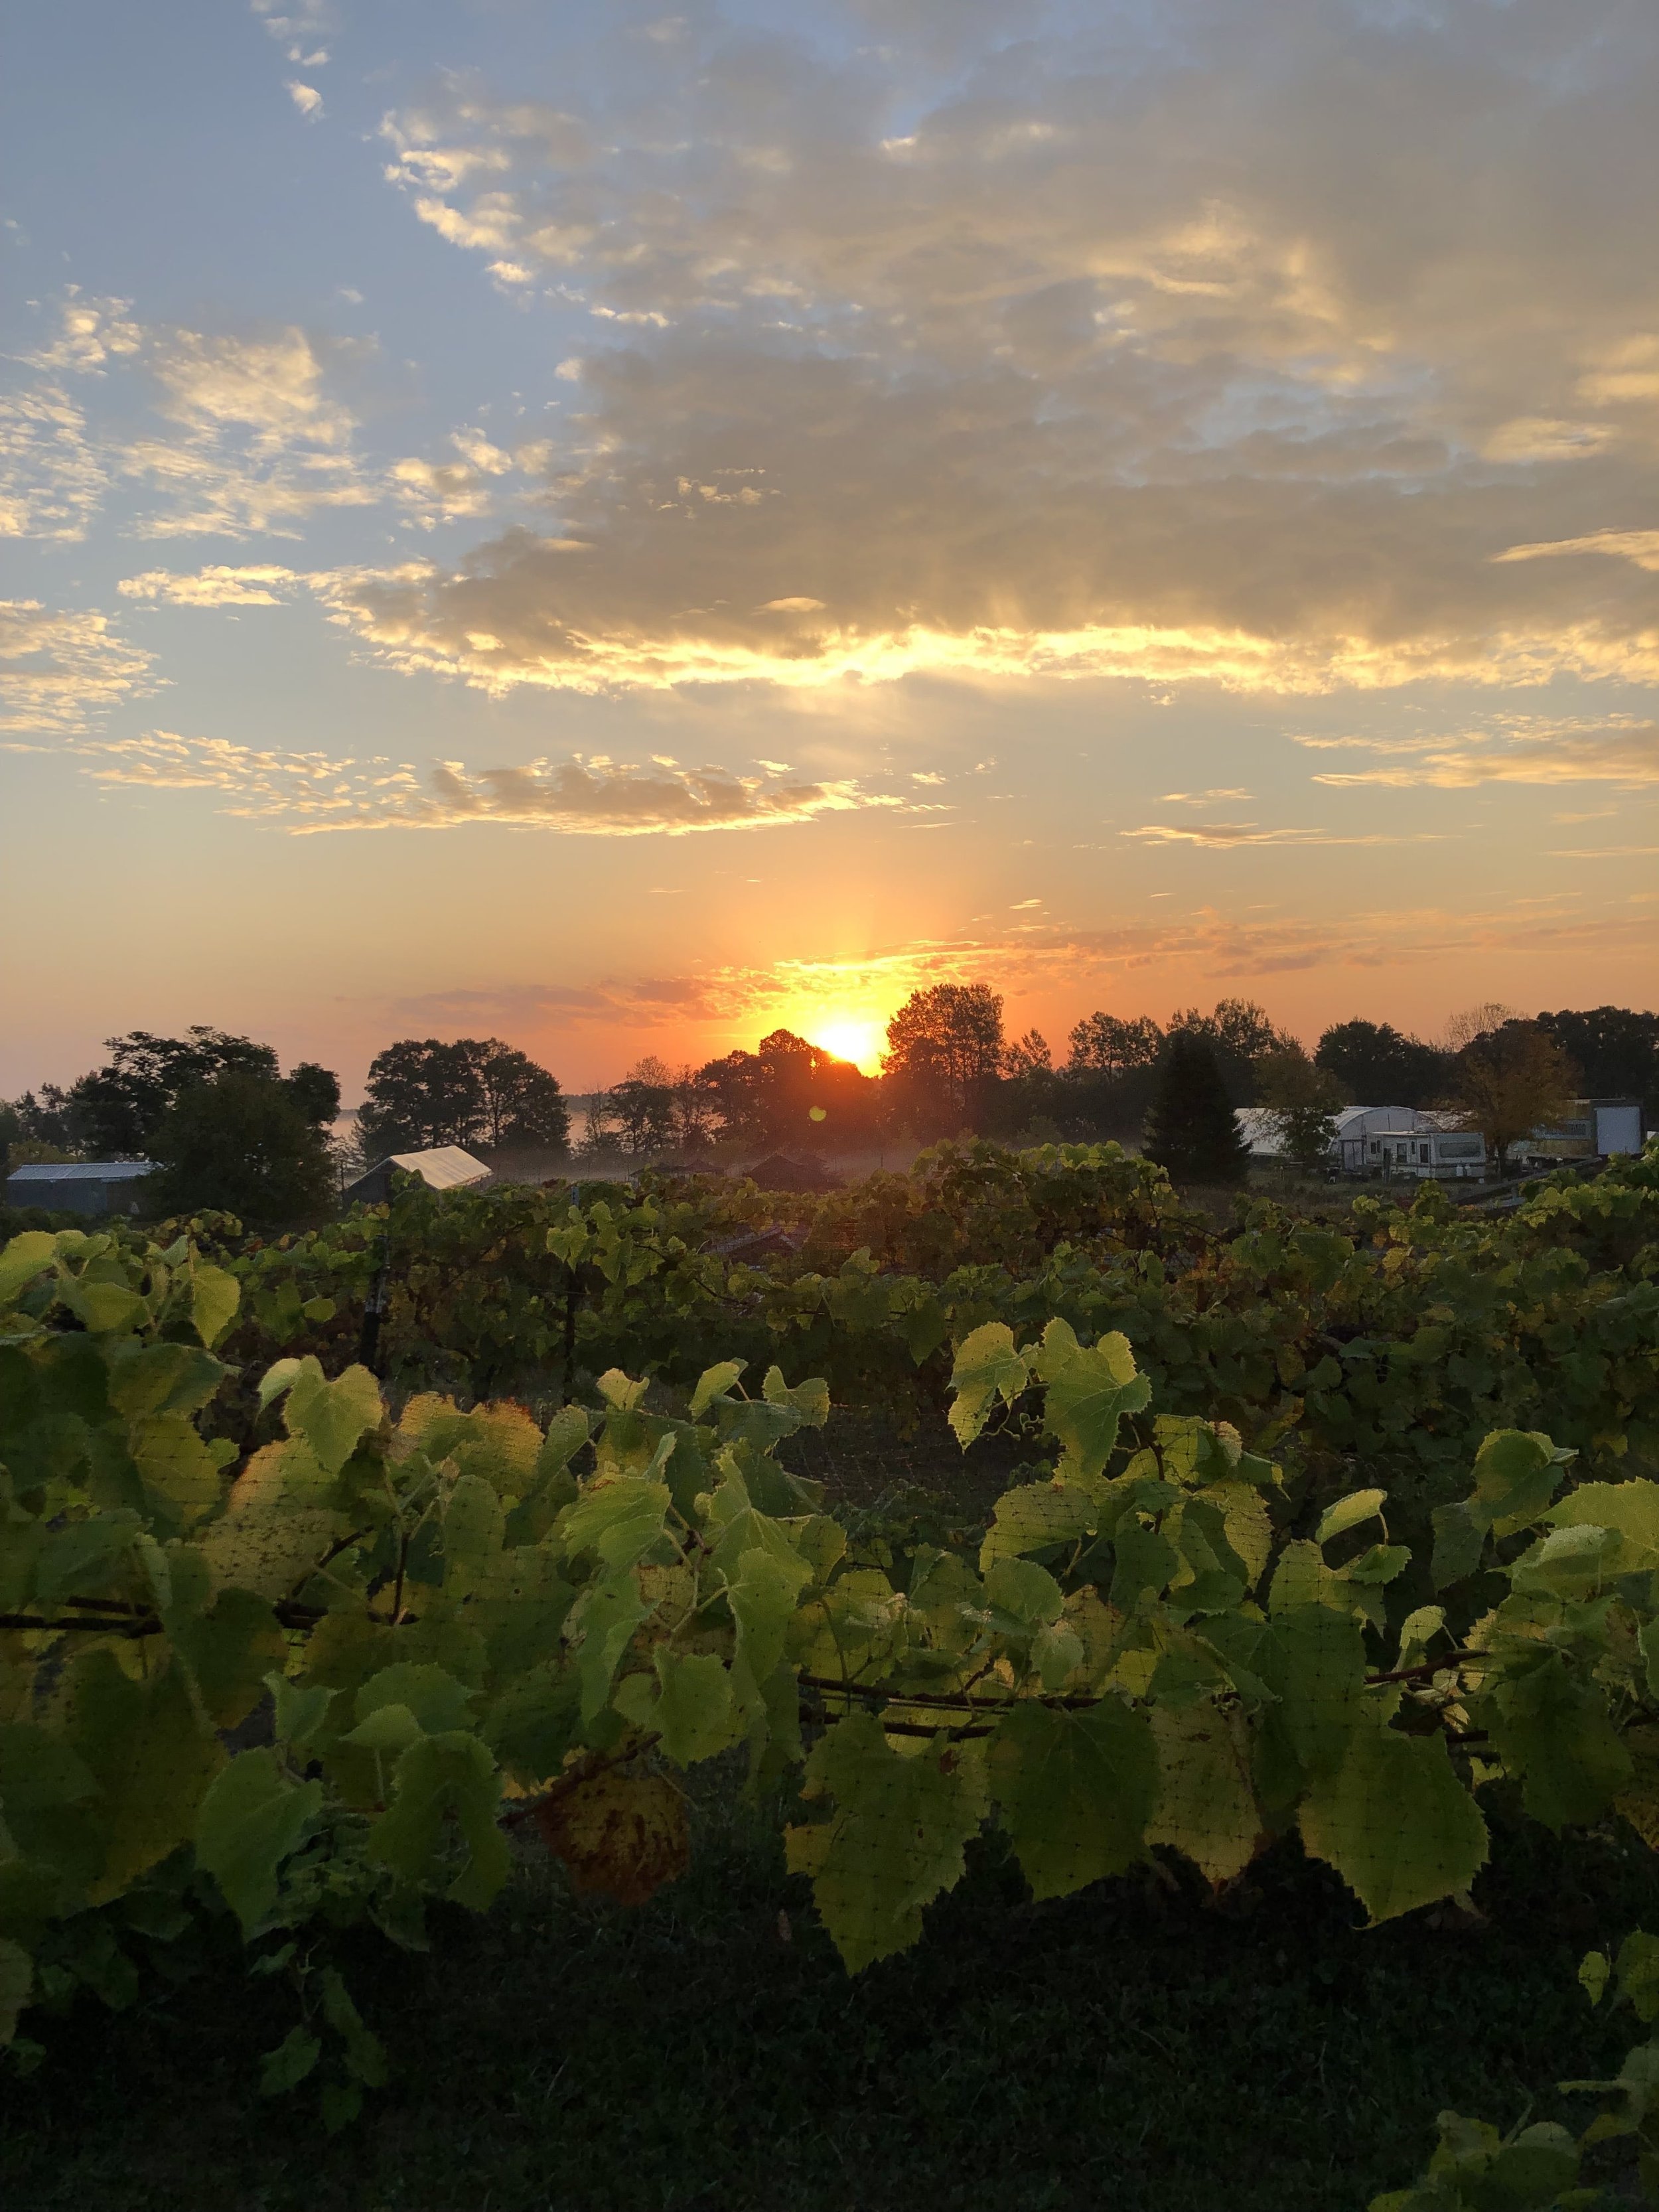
{"points": [[80, 1186], [1596, 1128], [446, 1167]]}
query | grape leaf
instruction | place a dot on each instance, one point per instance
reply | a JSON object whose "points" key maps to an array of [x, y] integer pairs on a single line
{"points": [[1554, 1730], [987, 1367], [152, 1759], [621, 1836], [22, 1259], [442, 1775], [1075, 1790], [1034, 1514], [1087, 1398], [1348, 1513], [894, 1840], [1206, 1806], [1395, 1822], [16, 1981], [251, 1820], [620, 1520], [715, 1382], [330, 1416], [214, 1295]]}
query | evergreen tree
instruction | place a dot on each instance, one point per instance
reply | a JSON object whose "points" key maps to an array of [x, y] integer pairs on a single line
{"points": [[1191, 1131]]}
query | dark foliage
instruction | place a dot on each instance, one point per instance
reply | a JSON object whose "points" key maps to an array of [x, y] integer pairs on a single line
{"points": [[1191, 1131], [115, 1111], [1377, 1065], [244, 1144], [478, 1091], [1616, 1049]]}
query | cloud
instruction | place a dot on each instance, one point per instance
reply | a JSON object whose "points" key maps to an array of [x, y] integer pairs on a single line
{"points": [[1208, 945], [1641, 546], [91, 333], [1604, 852], [210, 587], [306, 98], [305, 793], [301, 23], [1230, 352], [254, 436], [60, 670], [1618, 749], [52, 479], [1224, 834]]}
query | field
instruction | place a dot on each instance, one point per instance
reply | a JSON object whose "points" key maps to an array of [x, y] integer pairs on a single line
{"points": [[1132, 1467]]}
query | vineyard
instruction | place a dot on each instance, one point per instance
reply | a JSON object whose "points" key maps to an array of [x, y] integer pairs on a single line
{"points": [[485, 1562]]}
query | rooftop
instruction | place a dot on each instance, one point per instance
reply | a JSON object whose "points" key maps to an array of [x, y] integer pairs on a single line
{"points": [[82, 1171]]}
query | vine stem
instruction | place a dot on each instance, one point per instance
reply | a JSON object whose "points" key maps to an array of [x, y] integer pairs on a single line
{"points": [[587, 1769]]}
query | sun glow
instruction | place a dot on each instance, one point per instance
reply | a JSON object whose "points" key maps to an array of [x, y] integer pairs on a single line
{"points": [[859, 1038]]}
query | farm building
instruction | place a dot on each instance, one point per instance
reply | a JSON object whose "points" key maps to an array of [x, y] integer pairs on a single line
{"points": [[1379, 1141], [446, 1168], [80, 1186], [1596, 1128]]}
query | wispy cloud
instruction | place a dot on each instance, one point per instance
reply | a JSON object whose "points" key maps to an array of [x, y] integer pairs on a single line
{"points": [[306, 792], [52, 479], [1640, 546], [1618, 749], [60, 671], [213, 586], [1251, 833]]}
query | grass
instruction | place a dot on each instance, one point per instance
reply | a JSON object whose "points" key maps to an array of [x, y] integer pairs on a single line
{"points": [[1135, 2047]]}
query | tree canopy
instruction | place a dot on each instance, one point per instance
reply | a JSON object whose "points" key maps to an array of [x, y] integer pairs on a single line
{"points": [[423, 1092], [1377, 1064], [943, 1045], [244, 1143], [116, 1111], [1616, 1049], [1510, 1081]]}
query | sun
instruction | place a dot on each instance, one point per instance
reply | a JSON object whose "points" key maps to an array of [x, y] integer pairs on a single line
{"points": [[859, 1038]]}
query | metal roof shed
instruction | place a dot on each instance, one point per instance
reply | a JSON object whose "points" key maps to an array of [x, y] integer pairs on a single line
{"points": [[446, 1168], [80, 1186]]}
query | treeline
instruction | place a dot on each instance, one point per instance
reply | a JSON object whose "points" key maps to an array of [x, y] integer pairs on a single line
{"points": [[950, 1067], [227, 1128]]}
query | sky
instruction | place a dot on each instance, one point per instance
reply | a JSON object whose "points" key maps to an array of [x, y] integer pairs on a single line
{"points": [[618, 530]]}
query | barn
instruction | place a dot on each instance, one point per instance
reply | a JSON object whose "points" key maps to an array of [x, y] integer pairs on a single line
{"points": [[80, 1186]]}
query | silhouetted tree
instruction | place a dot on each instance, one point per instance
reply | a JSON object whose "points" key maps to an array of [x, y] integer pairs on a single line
{"points": [[423, 1092], [117, 1108], [1106, 1044], [1616, 1051], [944, 1046], [243, 1143], [1377, 1064], [1191, 1131], [45, 1118], [1239, 1032], [789, 1091]]}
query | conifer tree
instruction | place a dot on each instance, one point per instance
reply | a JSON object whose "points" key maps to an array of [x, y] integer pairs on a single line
{"points": [[1191, 1131]]}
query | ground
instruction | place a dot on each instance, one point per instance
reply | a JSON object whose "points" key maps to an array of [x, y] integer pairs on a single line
{"points": [[1136, 2048]]}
